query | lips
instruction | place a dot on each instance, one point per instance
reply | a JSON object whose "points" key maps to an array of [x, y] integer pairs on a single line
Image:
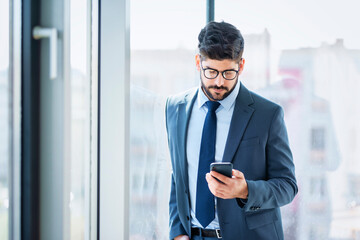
{"points": [[218, 90]]}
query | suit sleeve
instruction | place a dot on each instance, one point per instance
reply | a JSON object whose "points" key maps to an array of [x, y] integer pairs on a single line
{"points": [[280, 186], [175, 225]]}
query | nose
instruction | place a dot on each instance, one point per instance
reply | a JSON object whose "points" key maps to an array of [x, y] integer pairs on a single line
{"points": [[219, 80]]}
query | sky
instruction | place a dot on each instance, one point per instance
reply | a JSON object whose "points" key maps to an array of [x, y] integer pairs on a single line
{"points": [[291, 23], [294, 24], [168, 24]]}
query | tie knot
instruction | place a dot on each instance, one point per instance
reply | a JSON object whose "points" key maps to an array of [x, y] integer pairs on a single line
{"points": [[212, 106]]}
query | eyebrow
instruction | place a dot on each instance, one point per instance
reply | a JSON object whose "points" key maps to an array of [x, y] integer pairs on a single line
{"points": [[206, 67]]}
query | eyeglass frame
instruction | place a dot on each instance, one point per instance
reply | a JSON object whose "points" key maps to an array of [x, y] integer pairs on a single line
{"points": [[222, 72]]}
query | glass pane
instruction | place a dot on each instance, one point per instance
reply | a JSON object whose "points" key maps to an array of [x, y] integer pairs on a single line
{"points": [[163, 48], [302, 57], [5, 127], [80, 118]]}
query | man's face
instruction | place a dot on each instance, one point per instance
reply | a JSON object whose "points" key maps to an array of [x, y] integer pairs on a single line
{"points": [[218, 88]]}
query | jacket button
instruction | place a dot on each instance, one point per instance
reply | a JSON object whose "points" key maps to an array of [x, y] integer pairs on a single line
{"points": [[185, 191], [187, 217]]}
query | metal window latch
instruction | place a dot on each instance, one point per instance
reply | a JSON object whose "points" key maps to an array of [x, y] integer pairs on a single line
{"points": [[51, 33]]}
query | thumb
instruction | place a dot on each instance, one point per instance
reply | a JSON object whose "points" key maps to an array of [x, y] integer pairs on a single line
{"points": [[238, 174]]}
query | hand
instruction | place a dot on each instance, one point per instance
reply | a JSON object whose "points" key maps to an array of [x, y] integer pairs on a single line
{"points": [[235, 187], [182, 237]]}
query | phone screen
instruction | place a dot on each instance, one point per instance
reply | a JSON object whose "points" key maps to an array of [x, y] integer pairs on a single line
{"points": [[224, 168]]}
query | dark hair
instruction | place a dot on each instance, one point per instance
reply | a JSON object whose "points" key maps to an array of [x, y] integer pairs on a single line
{"points": [[221, 40]]}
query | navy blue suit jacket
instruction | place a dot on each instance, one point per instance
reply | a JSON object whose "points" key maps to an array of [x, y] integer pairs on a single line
{"points": [[258, 146]]}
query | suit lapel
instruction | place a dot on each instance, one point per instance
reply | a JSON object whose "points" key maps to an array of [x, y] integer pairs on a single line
{"points": [[239, 121], [184, 112]]}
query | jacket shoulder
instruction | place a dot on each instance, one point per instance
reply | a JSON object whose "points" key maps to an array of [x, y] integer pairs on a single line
{"points": [[180, 97], [174, 101]]}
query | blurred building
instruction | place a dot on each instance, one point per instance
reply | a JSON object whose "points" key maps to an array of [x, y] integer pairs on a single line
{"points": [[4, 124], [337, 79], [257, 60], [153, 69], [315, 153], [80, 151], [317, 91], [150, 169]]}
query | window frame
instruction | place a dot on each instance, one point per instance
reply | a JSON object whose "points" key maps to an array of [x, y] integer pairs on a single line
{"points": [[113, 150]]}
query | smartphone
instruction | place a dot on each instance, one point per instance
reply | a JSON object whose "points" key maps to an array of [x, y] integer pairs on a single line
{"points": [[224, 168]]}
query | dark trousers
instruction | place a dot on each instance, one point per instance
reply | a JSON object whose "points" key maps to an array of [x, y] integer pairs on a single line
{"points": [[202, 238]]}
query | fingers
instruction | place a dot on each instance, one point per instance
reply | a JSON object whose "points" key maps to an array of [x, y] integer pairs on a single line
{"points": [[225, 179], [182, 237], [228, 187], [215, 186], [221, 177], [212, 181], [238, 174]]}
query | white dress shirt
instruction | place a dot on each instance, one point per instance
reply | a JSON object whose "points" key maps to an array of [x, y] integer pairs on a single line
{"points": [[223, 114]]}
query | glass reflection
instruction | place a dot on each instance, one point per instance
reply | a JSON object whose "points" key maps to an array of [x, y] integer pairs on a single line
{"points": [[5, 127], [292, 57], [315, 77], [162, 63], [80, 119]]}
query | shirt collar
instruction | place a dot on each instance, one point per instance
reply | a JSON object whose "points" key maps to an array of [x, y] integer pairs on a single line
{"points": [[226, 103]]}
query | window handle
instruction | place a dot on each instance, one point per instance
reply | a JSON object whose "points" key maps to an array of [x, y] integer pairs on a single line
{"points": [[51, 33]]}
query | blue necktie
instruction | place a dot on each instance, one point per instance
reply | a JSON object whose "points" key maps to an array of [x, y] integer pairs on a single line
{"points": [[205, 203]]}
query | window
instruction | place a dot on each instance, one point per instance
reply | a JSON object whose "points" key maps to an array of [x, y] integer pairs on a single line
{"points": [[317, 187], [312, 64], [317, 138], [5, 119], [83, 119], [163, 48], [318, 147], [354, 191], [317, 232], [295, 56]]}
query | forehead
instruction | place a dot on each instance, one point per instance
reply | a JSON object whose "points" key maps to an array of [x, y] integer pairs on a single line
{"points": [[220, 64]]}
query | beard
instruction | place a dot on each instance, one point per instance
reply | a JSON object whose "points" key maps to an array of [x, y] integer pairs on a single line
{"points": [[215, 97]]}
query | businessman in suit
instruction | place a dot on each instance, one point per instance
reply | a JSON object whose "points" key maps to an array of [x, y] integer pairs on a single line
{"points": [[222, 121]]}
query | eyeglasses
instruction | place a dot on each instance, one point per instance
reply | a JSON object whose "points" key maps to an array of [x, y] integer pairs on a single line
{"points": [[211, 73]]}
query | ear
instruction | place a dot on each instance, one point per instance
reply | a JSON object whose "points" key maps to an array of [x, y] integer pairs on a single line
{"points": [[197, 61], [241, 65]]}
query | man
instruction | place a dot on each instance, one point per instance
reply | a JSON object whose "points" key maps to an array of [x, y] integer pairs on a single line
{"points": [[222, 121]]}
